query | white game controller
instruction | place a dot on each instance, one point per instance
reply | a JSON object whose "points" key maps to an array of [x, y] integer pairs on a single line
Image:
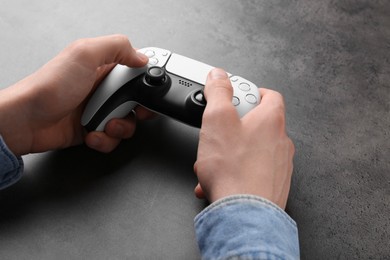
{"points": [[170, 84]]}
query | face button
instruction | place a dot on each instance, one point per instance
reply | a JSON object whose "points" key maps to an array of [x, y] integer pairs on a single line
{"points": [[153, 61], [250, 98], [235, 101], [234, 79], [244, 86], [150, 53]]}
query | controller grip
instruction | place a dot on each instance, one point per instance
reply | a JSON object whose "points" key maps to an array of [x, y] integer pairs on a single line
{"points": [[98, 122]]}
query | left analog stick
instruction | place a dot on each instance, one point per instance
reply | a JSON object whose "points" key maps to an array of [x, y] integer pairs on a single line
{"points": [[156, 76]]}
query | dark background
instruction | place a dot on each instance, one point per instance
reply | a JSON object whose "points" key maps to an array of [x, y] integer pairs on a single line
{"points": [[330, 60]]}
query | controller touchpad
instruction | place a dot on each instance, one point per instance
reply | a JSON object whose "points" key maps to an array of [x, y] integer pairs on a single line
{"points": [[188, 68]]}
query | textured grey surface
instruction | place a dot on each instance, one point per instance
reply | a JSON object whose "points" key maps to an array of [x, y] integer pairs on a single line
{"points": [[330, 60]]}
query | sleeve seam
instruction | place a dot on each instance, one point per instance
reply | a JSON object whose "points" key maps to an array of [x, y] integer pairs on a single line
{"points": [[249, 199]]}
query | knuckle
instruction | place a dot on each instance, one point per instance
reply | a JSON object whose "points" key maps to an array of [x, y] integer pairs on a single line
{"points": [[277, 115], [218, 112], [79, 48], [278, 100], [276, 110], [120, 38]]}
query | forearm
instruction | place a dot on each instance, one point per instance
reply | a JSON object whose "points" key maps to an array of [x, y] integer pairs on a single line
{"points": [[15, 116]]}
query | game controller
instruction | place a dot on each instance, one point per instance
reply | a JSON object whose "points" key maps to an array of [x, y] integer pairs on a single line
{"points": [[170, 84]]}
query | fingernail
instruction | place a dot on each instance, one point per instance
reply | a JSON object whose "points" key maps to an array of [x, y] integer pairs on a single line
{"points": [[218, 74]]}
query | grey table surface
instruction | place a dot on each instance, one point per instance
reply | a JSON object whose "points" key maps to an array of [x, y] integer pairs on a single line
{"points": [[331, 61]]}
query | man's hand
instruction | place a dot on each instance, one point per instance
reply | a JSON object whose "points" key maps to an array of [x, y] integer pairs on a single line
{"points": [[42, 112], [252, 155]]}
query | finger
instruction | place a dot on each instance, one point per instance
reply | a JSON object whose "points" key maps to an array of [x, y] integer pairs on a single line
{"points": [[101, 142], [121, 128], [95, 52], [144, 114], [271, 107], [199, 192], [271, 98], [285, 191], [285, 178], [102, 72]]}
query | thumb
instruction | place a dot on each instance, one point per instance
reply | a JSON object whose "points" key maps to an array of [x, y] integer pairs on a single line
{"points": [[218, 90], [103, 50]]}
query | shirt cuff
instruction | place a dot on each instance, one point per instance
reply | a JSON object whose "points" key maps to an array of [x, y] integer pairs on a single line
{"points": [[11, 167], [246, 226]]}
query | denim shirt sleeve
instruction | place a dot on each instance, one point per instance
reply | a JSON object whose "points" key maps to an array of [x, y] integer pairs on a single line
{"points": [[246, 227], [11, 167]]}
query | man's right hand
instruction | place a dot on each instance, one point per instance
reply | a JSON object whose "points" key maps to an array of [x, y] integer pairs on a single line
{"points": [[251, 155]]}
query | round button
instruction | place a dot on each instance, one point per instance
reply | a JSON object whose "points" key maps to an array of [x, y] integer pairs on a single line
{"points": [[250, 98], [155, 76], [244, 86], [234, 79], [235, 101], [153, 61], [149, 53]]}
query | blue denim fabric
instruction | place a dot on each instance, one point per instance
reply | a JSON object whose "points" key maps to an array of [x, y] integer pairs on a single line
{"points": [[11, 167], [246, 227]]}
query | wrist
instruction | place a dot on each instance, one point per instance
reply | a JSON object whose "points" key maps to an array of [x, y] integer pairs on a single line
{"points": [[14, 117]]}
